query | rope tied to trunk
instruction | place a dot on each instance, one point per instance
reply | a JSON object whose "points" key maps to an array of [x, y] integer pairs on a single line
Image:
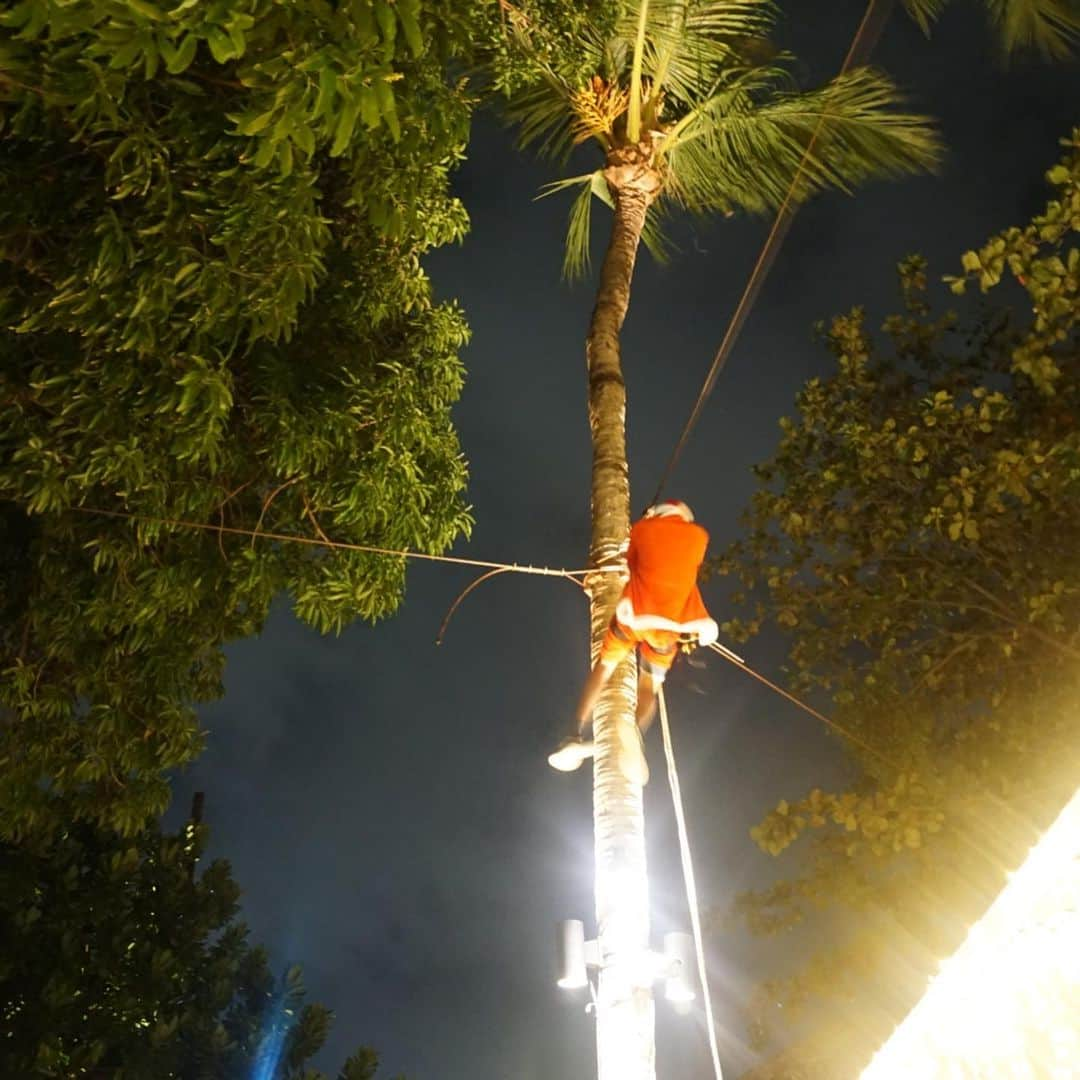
{"points": [[342, 545]]}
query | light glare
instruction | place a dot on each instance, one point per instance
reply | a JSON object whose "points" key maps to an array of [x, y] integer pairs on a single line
{"points": [[1006, 1005]]}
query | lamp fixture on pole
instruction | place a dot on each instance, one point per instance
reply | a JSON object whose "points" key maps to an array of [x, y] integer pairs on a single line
{"points": [[578, 962]]}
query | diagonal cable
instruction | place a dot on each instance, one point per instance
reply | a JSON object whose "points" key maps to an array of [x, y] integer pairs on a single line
{"points": [[866, 37]]}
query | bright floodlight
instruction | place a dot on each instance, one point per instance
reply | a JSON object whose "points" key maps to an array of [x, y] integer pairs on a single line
{"points": [[1006, 1005], [570, 945]]}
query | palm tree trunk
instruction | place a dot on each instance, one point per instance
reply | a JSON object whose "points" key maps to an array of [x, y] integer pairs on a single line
{"points": [[625, 1028]]}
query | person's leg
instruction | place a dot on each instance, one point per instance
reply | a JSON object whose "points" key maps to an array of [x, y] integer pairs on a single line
{"points": [[658, 653], [590, 694], [574, 748], [649, 684]]}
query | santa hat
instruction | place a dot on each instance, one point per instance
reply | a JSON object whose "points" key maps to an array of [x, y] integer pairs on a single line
{"points": [[671, 508]]}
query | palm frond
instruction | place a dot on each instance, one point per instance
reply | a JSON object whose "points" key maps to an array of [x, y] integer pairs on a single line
{"points": [[633, 119], [672, 51], [601, 190], [543, 111], [544, 117], [655, 237], [691, 43], [735, 151], [726, 127], [576, 258], [925, 12], [1050, 26], [553, 187], [732, 19], [662, 53]]}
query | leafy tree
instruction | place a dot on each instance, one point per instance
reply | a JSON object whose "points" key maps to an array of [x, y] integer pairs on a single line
{"points": [[119, 959], [690, 110], [213, 310], [1051, 27], [916, 535]]}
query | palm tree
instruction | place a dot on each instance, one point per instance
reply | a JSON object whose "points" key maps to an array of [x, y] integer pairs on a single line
{"points": [[1051, 27], [691, 110]]}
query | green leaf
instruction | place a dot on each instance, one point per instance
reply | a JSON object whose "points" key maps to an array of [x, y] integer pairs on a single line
{"points": [[236, 36], [369, 108], [182, 58], [387, 21], [344, 129], [146, 10], [221, 47], [285, 157], [255, 123], [384, 95], [362, 11], [185, 272], [304, 138], [576, 261], [410, 24], [126, 55], [324, 103], [267, 148]]}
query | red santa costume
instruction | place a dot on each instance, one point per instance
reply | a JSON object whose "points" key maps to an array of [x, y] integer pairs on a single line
{"points": [[661, 601]]}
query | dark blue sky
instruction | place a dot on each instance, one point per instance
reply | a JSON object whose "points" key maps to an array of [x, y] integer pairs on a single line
{"points": [[385, 803]]}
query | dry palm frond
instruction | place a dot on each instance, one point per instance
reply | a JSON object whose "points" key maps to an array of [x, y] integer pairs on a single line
{"points": [[596, 107]]}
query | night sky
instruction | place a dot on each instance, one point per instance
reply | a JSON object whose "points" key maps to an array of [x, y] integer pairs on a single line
{"points": [[385, 803]]}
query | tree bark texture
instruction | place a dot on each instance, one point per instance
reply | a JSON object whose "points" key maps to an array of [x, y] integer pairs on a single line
{"points": [[624, 1016]]}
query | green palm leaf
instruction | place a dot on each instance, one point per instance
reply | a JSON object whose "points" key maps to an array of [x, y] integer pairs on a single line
{"points": [[732, 151], [655, 235], [925, 12], [1050, 26], [633, 121], [544, 118], [576, 259], [576, 256], [697, 94]]}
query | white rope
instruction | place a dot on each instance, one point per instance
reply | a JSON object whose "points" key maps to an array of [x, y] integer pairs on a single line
{"points": [[691, 888]]}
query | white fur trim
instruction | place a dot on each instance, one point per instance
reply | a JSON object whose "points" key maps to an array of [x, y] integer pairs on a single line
{"points": [[671, 508], [705, 629]]}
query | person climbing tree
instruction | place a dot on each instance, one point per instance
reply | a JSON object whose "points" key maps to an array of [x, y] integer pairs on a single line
{"points": [[659, 608]]}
